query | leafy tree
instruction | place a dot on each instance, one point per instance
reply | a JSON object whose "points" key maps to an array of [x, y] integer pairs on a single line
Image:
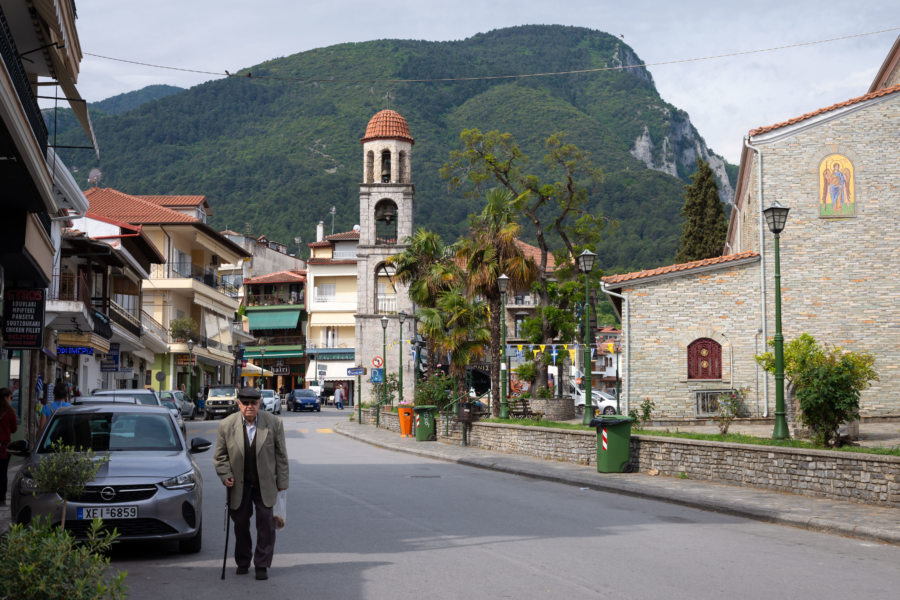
{"points": [[827, 382], [65, 471], [556, 208], [705, 227]]}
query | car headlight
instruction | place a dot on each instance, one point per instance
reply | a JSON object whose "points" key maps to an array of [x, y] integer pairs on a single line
{"points": [[185, 481], [27, 485]]}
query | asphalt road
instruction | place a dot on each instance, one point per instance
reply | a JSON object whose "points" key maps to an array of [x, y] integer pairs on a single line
{"points": [[368, 523]]}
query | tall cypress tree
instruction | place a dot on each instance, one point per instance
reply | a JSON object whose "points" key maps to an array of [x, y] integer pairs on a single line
{"points": [[705, 227]]}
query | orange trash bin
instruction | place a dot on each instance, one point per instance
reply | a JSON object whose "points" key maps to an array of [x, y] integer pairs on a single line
{"points": [[406, 420]]}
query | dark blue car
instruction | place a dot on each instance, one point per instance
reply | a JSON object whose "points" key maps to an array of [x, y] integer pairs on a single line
{"points": [[304, 400]]}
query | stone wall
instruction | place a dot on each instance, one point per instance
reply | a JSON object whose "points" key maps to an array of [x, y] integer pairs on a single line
{"points": [[554, 409], [863, 478]]}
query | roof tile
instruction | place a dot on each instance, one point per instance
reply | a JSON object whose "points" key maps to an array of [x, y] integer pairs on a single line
{"points": [[679, 267], [289, 276], [387, 124], [114, 204]]}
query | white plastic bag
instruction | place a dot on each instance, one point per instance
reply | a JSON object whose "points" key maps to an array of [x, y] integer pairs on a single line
{"points": [[279, 511]]}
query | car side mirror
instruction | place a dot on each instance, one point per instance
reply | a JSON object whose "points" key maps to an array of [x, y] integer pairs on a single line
{"points": [[199, 445], [19, 448]]}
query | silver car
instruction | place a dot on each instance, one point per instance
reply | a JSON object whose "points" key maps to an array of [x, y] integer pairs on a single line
{"points": [[270, 401], [151, 488]]}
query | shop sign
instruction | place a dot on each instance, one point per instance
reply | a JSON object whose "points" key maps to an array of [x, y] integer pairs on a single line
{"points": [[23, 318], [281, 370], [74, 350], [184, 360]]}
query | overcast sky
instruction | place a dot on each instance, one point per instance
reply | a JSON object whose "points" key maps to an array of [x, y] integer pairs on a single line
{"points": [[724, 97]]}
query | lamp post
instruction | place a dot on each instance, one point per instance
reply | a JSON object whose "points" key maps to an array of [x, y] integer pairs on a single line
{"points": [[384, 324], [262, 362], [190, 345], [401, 316], [776, 217], [586, 265], [503, 285], [237, 365]]}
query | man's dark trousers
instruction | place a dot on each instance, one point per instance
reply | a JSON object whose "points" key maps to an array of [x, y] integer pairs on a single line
{"points": [[265, 531]]}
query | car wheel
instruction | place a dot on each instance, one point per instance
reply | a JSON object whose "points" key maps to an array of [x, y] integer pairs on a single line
{"points": [[207, 416], [609, 410], [319, 409], [192, 545]]}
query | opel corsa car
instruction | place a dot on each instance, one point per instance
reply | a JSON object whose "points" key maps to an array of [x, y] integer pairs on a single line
{"points": [[150, 489]]}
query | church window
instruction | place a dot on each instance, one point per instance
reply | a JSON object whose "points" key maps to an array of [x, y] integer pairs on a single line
{"points": [[704, 359]]}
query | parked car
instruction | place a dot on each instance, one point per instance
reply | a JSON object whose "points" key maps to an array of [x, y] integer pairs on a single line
{"points": [[304, 399], [143, 395], [271, 401], [222, 401], [151, 488], [176, 412], [602, 402], [188, 409]]}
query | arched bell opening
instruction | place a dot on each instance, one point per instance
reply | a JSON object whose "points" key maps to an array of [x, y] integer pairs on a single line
{"points": [[385, 166], [385, 223]]}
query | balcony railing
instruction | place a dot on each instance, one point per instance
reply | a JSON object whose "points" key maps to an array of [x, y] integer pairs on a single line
{"points": [[275, 299], [387, 304], [153, 326], [124, 318], [188, 270], [344, 254], [20, 81], [282, 340], [70, 287]]}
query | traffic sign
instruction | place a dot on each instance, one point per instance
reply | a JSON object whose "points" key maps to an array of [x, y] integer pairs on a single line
{"points": [[355, 371], [377, 375], [377, 362]]}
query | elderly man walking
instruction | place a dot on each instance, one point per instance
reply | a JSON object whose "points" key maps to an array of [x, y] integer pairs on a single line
{"points": [[251, 460]]}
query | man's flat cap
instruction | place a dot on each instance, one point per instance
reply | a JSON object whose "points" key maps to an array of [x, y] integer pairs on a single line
{"points": [[249, 393]]}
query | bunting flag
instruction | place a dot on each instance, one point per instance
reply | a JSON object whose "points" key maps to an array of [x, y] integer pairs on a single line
{"points": [[542, 346], [592, 353], [553, 352], [612, 348], [572, 354], [39, 385]]}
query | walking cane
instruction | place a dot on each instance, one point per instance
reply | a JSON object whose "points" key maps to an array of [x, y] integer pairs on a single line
{"points": [[227, 529]]}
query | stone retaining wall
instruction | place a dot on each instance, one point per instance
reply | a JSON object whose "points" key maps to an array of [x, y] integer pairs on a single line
{"points": [[865, 478]]}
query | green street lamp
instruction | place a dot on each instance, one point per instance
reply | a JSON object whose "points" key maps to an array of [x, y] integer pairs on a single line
{"points": [[586, 265], [384, 324], [503, 285], [401, 316], [776, 217], [262, 365], [190, 345]]}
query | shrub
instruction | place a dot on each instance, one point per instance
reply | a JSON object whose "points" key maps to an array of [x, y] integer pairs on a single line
{"points": [[527, 371], [827, 382], [435, 390], [544, 392], [182, 329], [730, 407], [65, 471], [645, 414], [40, 561]]}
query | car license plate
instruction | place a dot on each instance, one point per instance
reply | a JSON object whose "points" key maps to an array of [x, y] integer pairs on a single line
{"points": [[108, 512]]}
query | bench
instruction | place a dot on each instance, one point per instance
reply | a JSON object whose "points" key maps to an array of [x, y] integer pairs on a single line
{"points": [[519, 409]]}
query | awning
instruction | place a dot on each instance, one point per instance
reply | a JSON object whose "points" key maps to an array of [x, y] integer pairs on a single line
{"points": [[274, 352], [323, 319], [326, 354], [274, 319], [335, 370], [251, 370]]}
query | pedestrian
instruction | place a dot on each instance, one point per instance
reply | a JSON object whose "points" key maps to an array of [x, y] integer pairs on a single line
{"points": [[251, 460], [339, 396], [8, 426], [61, 399]]}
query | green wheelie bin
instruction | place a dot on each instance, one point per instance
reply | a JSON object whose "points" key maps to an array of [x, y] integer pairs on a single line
{"points": [[613, 443], [424, 423]]}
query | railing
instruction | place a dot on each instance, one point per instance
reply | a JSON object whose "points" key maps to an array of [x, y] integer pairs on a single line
{"points": [[274, 299], [70, 287], [19, 78], [338, 254], [522, 300], [121, 316], [153, 326], [282, 340], [188, 270], [387, 304]]}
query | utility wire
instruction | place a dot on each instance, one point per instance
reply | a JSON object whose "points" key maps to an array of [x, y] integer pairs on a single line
{"points": [[495, 77]]}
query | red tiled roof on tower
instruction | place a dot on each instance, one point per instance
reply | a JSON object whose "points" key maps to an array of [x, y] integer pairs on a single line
{"points": [[387, 124]]}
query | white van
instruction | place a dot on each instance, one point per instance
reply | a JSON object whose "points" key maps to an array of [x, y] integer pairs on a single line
{"points": [[602, 401]]}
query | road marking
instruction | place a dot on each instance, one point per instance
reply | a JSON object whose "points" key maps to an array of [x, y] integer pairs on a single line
{"points": [[303, 431], [324, 431]]}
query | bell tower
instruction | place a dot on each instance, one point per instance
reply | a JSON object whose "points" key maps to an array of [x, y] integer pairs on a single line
{"points": [[386, 221]]}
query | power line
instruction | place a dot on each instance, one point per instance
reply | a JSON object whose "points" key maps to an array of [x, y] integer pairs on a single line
{"points": [[496, 77]]}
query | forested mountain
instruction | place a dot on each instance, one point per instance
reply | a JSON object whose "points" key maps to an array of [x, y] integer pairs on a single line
{"points": [[276, 145], [65, 119]]}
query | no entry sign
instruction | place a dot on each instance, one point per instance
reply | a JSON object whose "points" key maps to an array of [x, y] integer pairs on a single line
{"points": [[377, 362]]}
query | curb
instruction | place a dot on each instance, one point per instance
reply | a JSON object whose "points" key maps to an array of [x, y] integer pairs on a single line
{"points": [[859, 521]]}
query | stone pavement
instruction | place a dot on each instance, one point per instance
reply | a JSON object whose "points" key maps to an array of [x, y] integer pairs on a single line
{"points": [[831, 516]]}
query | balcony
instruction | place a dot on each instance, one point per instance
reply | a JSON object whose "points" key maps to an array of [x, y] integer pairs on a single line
{"points": [[276, 299], [344, 255], [187, 270], [153, 327], [386, 303], [282, 340], [124, 318], [19, 77], [69, 287]]}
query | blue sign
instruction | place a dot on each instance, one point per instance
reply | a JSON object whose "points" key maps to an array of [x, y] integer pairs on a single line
{"points": [[377, 375], [74, 350], [355, 371]]}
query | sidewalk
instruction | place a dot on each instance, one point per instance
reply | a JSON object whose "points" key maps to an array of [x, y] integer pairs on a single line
{"points": [[817, 514]]}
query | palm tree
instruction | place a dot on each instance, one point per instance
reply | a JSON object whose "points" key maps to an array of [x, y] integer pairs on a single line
{"points": [[489, 251], [458, 327], [428, 269]]}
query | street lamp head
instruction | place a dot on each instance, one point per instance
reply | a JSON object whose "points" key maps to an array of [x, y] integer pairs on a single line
{"points": [[503, 283], [776, 217], [586, 261], [190, 345], [401, 316], [262, 351], [384, 322]]}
